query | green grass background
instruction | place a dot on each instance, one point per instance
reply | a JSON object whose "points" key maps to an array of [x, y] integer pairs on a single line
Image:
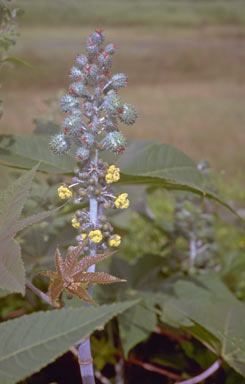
{"points": [[185, 61]]}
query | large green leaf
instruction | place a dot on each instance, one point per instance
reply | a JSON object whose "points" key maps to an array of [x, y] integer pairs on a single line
{"points": [[135, 325], [26, 151], [29, 343], [216, 319], [143, 163], [158, 160], [161, 165], [12, 273]]}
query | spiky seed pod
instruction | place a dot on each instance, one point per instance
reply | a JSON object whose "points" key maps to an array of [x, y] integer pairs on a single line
{"points": [[87, 108], [59, 144], [92, 48], [110, 48], [128, 114], [79, 89], [88, 139], [82, 154], [105, 60], [76, 73], [91, 71], [68, 102], [119, 80], [98, 36], [114, 142], [72, 125], [81, 60], [112, 103], [76, 112], [111, 124]]}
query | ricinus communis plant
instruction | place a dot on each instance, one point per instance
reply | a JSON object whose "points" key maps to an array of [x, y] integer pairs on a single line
{"points": [[93, 111]]}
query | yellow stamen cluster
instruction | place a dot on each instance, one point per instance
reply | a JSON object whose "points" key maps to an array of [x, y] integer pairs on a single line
{"points": [[115, 241], [64, 192], [122, 201], [96, 236], [82, 236], [113, 174], [75, 223]]}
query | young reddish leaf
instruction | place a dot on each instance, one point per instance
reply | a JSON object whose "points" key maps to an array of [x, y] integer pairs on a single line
{"points": [[72, 257], [49, 273], [59, 263], [55, 290], [99, 278], [87, 261], [72, 276], [79, 291]]}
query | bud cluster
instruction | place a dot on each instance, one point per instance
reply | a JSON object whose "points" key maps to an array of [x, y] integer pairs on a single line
{"points": [[94, 111]]}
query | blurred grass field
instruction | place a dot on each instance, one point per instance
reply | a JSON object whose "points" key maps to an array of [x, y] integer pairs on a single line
{"points": [[185, 62]]}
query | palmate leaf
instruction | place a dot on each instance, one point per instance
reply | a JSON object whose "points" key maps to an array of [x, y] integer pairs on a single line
{"points": [[72, 276], [87, 261], [12, 273], [215, 319], [41, 337], [143, 163], [135, 325]]}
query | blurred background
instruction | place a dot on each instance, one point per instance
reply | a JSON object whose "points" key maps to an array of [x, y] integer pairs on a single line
{"points": [[185, 61]]}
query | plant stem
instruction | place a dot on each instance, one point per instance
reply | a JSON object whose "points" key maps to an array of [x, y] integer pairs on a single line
{"points": [[204, 375], [84, 351], [193, 251], [153, 368], [39, 293]]}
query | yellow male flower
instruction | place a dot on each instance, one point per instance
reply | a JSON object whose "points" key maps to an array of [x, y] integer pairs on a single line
{"points": [[115, 241], [75, 223], [96, 236], [113, 174], [82, 236], [64, 192], [122, 201]]}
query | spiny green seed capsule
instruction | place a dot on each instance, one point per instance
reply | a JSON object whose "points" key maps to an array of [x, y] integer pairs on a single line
{"points": [[68, 102], [72, 125], [88, 139], [128, 114], [79, 89], [81, 60], [82, 154], [112, 103], [114, 141], [59, 144], [119, 80], [76, 73]]}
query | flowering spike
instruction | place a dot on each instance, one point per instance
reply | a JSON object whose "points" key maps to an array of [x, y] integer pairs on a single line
{"points": [[94, 111]]}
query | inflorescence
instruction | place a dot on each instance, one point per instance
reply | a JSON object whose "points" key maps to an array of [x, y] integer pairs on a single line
{"points": [[93, 112]]}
